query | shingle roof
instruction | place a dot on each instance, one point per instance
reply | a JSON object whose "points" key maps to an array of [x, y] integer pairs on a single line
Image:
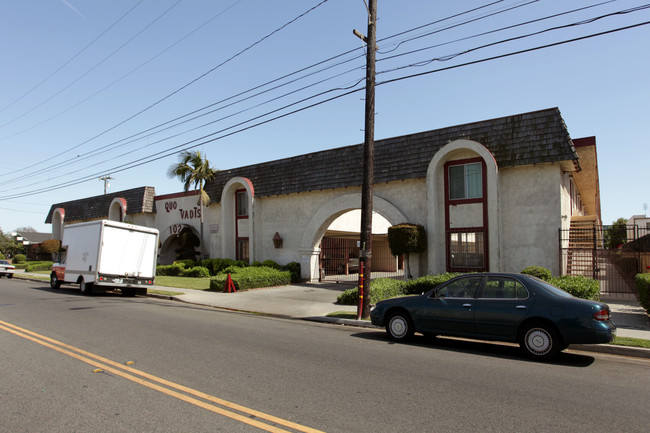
{"points": [[529, 138], [138, 200]]}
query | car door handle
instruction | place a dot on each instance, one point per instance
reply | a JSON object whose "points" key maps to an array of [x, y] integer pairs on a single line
{"points": [[520, 307], [467, 305]]}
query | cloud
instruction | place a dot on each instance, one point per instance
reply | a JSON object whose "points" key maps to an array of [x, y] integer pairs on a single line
{"points": [[73, 8]]}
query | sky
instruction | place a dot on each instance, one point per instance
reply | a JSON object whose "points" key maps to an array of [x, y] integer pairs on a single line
{"points": [[95, 88]]}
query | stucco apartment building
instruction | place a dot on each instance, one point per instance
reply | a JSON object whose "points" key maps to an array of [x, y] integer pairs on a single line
{"points": [[492, 195]]}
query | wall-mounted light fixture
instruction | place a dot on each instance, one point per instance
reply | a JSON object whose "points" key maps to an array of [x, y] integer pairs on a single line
{"points": [[277, 240]]}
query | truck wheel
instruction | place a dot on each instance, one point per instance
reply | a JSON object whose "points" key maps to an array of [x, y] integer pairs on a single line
{"points": [[86, 288], [54, 281]]}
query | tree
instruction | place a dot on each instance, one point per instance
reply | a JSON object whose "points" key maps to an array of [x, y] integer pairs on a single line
{"points": [[616, 234], [194, 169], [8, 245], [406, 239]]}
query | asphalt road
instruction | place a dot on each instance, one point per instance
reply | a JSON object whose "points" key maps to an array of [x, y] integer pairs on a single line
{"points": [[165, 366]]}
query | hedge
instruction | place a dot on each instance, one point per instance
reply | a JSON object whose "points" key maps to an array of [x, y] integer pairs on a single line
{"points": [[19, 258], [385, 288], [38, 266], [578, 286], [196, 272], [539, 272], [643, 287], [250, 278]]}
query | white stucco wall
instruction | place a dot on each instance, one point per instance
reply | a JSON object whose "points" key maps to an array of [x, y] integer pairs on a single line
{"points": [[530, 208]]}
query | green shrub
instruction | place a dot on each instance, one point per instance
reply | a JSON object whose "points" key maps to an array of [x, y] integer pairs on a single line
{"points": [[294, 268], [19, 258], [216, 266], [271, 264], [256, 263], [643, 288], [2, 257], [380, 289], [38, 266], [169, 270], [246, 278], [196, 272], [426, 283], [578, 286], [538, 271], [186, 263]]}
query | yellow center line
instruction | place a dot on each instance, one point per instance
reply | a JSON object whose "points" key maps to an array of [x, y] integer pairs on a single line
{"points": [[116, 368]]}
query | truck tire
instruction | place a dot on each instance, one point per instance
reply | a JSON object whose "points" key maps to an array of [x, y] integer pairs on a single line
{"points": [[54, 281], [86, 288]]}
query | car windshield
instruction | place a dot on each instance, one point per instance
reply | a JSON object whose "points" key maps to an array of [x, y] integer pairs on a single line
{"points": [[553, 289], [4, 262]]}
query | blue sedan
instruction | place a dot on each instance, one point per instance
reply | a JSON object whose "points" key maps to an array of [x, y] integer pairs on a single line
{"points": [[499, 307]]}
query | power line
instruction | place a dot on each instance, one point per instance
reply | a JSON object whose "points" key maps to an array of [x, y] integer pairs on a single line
{"points": [[104, 149], [67, 62], [88, 71], [190, 145]]}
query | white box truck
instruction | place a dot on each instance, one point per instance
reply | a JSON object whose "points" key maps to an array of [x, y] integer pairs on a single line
{"points": [[105, 254]]}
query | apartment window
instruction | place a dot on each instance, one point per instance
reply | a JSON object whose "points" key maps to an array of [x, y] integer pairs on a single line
{"points": [[467, 251], [241, 203], [465, 181]]}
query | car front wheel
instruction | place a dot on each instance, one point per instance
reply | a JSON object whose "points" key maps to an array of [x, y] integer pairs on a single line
{"points": [[400, 326], [540, 341]]}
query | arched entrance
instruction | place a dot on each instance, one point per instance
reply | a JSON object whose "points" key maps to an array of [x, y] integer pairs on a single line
{"points": [[173, 240], [331, 240]]}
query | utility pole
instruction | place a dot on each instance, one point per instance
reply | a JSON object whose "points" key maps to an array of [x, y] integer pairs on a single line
{"points": [[106, 182], [365, 253]]}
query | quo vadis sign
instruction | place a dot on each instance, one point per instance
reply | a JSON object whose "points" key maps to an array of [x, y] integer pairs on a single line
{"points": [[184, 212]]}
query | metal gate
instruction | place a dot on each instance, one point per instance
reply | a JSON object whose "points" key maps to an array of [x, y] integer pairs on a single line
{"points": [[592, 252], [339, 259]]}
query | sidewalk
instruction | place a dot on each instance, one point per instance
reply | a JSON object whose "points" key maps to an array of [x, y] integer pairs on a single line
{"points": [[314, 301]]}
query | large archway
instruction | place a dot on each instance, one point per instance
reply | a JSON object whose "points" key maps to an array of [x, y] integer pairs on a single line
{"points": [[318, 227]]}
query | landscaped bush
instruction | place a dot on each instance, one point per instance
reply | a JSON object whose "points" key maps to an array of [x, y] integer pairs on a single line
{"points": [[380, 289], [426, 283], [578, 286], [19, 258], [271, 264], [186, 263], [38, 266], [250, 278], [196, 272], [2, 257], [643, 288], [169, 270], [216, 266], [538, 271], [294, 268]]}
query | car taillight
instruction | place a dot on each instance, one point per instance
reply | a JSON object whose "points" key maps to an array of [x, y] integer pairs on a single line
{"points": [[602, 315]]}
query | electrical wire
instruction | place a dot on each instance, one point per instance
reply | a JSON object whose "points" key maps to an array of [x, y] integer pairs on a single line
{"points": [[186, 146]]}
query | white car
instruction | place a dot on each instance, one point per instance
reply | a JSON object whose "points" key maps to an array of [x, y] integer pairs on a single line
{"points": [[7, 269]]}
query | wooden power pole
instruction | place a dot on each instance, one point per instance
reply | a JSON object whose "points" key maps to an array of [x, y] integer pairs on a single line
{"points": [[365, 253]]}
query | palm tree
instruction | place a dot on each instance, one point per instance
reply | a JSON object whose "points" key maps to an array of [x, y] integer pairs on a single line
{"points": [[194, 169]]}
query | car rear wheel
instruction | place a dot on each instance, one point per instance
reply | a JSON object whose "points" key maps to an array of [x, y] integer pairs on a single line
{"points": [[86, 288], [54, 281], [400, 326], [540, 341]]}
